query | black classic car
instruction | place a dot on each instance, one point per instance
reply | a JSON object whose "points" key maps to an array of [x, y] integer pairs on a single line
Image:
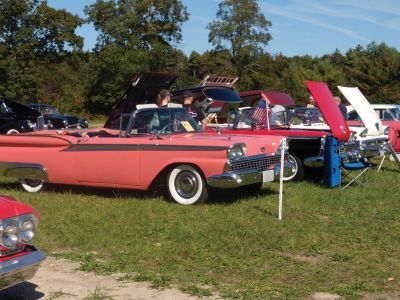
{"points": [[16, 117], [55, 120]]}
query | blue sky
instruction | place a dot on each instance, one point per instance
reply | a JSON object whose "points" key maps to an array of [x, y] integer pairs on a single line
{"points": [[299, 27]]}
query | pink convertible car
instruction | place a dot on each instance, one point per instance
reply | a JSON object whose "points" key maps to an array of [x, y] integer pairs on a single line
{"points": [[154, 146]]}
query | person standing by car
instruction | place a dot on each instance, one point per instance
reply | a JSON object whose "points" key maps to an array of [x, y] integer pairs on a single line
{"points": [[163, 98], [311, 102], [188, 101], [195, 107], [341, 106]]}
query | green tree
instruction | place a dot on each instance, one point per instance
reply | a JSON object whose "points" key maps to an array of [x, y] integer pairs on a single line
{"points": [[137, 23], [33, 35], [242, 29], [134, 36]]}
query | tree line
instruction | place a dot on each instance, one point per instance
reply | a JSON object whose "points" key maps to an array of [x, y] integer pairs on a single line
{"points": [[42, 58]]}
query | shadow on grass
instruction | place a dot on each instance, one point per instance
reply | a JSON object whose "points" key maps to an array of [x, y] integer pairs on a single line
{"points": [[216, 196], [230, 196]]}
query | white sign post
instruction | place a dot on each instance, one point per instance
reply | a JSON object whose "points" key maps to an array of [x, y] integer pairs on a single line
{"points": [[281, 178]]}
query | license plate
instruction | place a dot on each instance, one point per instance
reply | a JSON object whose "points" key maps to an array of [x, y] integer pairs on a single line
{"points": [[268, 176]]}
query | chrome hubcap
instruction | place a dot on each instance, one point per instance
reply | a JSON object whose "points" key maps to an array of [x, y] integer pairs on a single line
{"points": [[292, 171], [186, 184]]}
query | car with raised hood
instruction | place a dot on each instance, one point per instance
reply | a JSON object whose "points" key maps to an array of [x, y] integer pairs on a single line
{"points": [[19, 259], [16, 117], [389, 115], [305, 146], [55, 120], [370, 138], [143, 148]]}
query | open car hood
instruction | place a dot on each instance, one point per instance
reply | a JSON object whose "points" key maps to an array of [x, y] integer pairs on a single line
{"points": [[143, 89], [329, 109], [364, 109]]}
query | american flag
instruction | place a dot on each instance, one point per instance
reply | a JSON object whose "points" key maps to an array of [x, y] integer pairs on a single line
{"points": [[261, 112]]}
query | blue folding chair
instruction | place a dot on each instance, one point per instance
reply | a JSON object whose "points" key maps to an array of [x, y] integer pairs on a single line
{"points": [[355, 171]]}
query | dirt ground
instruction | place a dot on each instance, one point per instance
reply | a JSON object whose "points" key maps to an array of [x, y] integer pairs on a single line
{"points": [[59, 279]]}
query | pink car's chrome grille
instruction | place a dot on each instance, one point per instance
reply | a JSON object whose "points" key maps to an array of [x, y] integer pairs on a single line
{"points": [[259, 163]]}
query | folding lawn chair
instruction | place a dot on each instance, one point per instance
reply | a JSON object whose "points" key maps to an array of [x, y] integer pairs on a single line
{"points": [[355, 171]]}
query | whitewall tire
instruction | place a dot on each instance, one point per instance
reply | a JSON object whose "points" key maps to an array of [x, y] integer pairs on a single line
{"points": [[186, 185], [12, 131], [31, 185]]}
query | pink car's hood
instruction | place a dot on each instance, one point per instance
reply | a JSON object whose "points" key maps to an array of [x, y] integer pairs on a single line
{"points": [[9, 207], [329, 109]]}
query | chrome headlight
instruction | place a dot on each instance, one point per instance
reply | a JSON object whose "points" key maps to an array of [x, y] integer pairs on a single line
{"points": [[17, 230], [27, 229], [50, 124], [237, 151], [65, 122], [10, 235]]}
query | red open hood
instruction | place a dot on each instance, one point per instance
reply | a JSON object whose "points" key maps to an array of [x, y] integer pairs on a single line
{"points": [[329, 109]]}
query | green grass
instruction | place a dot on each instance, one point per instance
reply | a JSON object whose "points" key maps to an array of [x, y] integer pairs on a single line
{"points": [[98, 122], [344, 242]]}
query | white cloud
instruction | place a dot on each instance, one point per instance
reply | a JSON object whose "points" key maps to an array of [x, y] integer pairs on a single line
{"points": [[374, 12], [303, 15]]}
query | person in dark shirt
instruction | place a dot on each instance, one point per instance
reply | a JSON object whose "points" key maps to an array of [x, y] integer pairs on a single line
{"points": [[341, 106], [195, 107], [188, 101], [163, 98]]}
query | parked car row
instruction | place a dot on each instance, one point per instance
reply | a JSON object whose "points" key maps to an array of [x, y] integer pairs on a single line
{"points": [[142, 146], [16, 117]]}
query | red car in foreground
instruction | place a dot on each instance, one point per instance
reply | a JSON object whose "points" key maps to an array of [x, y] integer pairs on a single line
{"points": [[19, 260]]}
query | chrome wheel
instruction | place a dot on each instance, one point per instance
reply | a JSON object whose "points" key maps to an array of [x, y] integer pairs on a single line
{"points": [[295, 171], [186, 185]]}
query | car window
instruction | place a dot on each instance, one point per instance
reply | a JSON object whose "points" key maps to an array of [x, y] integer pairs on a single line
{"points": [[163, 121], [389, 114], [4, 108], [379, 113], [395, 112], [353, 116]]}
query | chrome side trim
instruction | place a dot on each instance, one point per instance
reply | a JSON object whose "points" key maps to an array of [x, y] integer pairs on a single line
{"points": [[21, 268], [23, 170], [141, 147]]}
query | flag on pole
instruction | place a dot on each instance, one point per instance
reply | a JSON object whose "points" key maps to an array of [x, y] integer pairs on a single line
{"points": [[261, 112]]}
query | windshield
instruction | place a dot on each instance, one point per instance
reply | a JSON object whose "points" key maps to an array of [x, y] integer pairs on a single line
{"points": [[48, 110], [254, 117], [162, 121], [4, 108], [306, 116], [45, 109], [394, 114]]}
